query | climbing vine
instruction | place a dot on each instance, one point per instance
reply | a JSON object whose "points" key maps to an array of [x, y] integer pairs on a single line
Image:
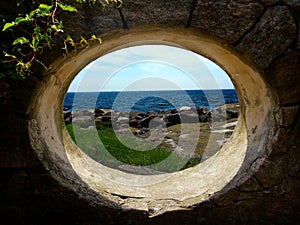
{"points": [[30, 33]]}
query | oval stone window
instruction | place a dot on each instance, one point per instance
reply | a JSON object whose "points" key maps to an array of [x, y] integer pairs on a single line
{"points": [[159, 105], [151, 109]]}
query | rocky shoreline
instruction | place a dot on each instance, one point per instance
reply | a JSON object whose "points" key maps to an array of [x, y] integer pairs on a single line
{"points": [[168, 124], [88, 118]]}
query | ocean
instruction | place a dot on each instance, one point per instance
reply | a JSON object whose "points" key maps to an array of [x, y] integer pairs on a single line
{"points": [[143, 101]]}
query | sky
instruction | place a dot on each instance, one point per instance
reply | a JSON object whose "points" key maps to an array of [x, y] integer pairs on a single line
{"points": [[150, 67]]}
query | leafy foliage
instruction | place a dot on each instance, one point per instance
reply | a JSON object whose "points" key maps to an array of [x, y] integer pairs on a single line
{"points": [[36, 30]]}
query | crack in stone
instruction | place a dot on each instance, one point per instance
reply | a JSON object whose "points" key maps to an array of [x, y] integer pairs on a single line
{"points": [[240, 39], [188, 24], [124, 22]]}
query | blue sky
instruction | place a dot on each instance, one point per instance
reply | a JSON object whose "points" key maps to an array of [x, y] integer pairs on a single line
{"points": [[150, 67]]}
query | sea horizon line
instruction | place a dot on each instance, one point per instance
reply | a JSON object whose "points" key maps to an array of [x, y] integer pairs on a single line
{"points": [[212, 89]]}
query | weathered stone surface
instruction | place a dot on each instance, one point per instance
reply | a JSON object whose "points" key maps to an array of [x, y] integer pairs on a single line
{"points": [[251, 185], [288, 115], [166, 12], [269, 2], [294, 162], [295, 4], [15, 150], [99, 21], [273, 172], [271, 36], [281, 143], [294, 138], [267, 207], [289, 184], [228, 198], [298, 38], [284, 76], [295, 7], [92, 20], [227, 19]]}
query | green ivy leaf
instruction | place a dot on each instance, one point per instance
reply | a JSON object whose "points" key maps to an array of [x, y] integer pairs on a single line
{"points": [[56, 28], [37, 30], [19, 20], [31, 14], [68, 8], [44, 10], [84, 41], [96, 38], [20, 40], [8, 25], [34, 43], [9, 55], [45, 7], [69, 38]]}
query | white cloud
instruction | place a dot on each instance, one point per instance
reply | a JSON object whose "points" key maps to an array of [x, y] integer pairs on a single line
{"points": [[119, 69]]}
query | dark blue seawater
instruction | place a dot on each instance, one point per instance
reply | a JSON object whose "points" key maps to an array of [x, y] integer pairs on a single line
{"points": [[144, 101]]}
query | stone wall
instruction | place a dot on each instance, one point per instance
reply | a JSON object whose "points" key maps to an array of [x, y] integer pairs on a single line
{"points": [[265, 32]]}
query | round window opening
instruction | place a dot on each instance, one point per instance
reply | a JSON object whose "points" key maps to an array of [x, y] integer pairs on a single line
{"points": [[151, 109], [146, 129]]}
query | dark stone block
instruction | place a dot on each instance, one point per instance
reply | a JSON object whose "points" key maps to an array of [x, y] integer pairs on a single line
{"points": [[284, 76], [226, 19], [271, 36], [167, 12]]}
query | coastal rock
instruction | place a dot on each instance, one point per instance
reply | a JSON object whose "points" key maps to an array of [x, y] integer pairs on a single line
{"points": [[156, 122], [67, 117], [135, 114], [133, 123], [184, 108], [205, 118], [106, 118], [83, 121], [135, 119], [145, 121], [164, 113], [83, 113], [99, 112], [172, 119], [202, 111], [189, 116], [122, 119], [225, 112], [82, 118], [204, 115], [232, 113], [151, 112], [143, 132]]}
